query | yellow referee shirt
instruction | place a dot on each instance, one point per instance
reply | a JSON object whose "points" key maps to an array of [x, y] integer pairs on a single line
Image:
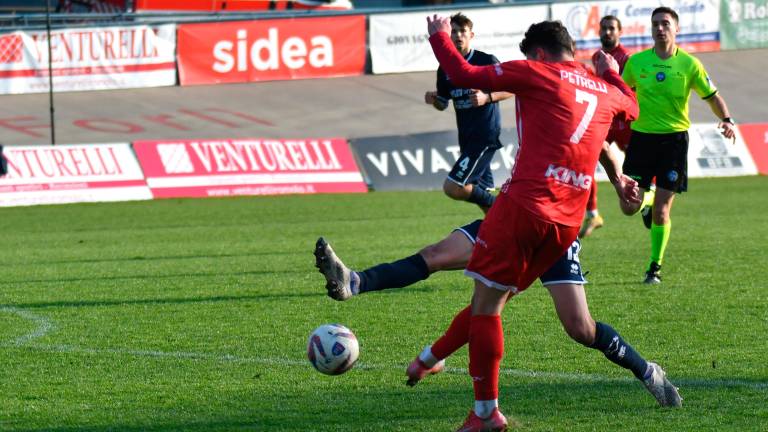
{"points": [[664, 87]]}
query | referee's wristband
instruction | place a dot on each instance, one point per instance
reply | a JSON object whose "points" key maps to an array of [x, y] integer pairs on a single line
{"points": [[728, 120], [490, 97]]}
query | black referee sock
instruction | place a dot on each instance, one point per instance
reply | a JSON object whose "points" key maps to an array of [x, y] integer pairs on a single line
{"points": [[481, 196], [397, 274], [608, 341]]}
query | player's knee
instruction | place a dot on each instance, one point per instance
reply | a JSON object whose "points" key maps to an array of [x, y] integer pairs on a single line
{"points": [[580, 330], [455, 191], [434, 256]]}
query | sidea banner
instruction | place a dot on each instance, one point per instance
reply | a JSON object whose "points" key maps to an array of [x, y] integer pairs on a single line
{"points": [[744, 24], [699, 19], [279, 49], [88, 59], [71, 173], [229, 167], [422, 161], [399, 42]]}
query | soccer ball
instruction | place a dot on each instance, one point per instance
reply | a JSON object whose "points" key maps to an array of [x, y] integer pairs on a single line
{"points": [[332, 349]]}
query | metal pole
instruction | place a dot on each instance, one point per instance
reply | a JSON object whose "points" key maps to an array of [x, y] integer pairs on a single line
{"points": [[50, 70]]}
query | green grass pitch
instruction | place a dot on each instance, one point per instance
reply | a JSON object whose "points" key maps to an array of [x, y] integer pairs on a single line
{"points": [[193, 315]]}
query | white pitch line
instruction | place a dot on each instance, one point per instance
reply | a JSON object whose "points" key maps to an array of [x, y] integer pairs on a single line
{"points": [[564, 376], [44, 326]]}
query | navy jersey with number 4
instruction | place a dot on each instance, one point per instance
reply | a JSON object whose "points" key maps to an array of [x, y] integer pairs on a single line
{"points": [[478, 126]]}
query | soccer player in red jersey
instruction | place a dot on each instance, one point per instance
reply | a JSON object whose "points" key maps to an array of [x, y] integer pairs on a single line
{"points": [[610, 35], [563, 115]]}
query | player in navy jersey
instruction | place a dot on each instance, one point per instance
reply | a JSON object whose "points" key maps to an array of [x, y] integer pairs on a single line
{"points": [[478, 121]]}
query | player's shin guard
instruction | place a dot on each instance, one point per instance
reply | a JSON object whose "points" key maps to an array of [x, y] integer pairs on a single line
{"points": [[659, 240], [455, 337], [610, 343], [486, 348], [481, 196], [398, 274]]}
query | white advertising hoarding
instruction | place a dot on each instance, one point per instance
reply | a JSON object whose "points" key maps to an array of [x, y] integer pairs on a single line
{"points": [[88, 59], [399, 43], [699, 23], [71, 173]]}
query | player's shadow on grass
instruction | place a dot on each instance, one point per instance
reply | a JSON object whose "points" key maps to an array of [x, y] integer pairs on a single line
{"points": [[355, 402], [150, 258], [154, 277]]}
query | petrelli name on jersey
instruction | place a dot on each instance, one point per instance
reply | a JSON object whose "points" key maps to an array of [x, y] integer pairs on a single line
{"points": [[582, 81]]}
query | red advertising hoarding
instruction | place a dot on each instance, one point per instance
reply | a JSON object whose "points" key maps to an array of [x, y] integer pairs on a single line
{"points": [[71, 173], [263, 50], [229, 167], [756, 137], [239, 5]]}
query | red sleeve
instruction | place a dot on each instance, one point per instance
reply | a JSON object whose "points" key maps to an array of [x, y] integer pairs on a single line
{"points": [[462, 73], [629, 101]]}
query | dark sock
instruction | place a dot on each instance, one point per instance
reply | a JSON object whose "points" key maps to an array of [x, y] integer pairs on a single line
{"points": [[608, 341], [480, 196], [397, 274]]}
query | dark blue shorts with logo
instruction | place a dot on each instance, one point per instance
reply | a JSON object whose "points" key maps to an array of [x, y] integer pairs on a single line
{"points": [[664, 156], [566, 270], [474, 164]]}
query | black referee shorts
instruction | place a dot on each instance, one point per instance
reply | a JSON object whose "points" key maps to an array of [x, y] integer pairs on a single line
{"points": [[664, 156]]}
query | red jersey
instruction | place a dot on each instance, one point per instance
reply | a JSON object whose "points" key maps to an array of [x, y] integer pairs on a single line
{"points": [[620, 130], [563, 115], [618, 52]]}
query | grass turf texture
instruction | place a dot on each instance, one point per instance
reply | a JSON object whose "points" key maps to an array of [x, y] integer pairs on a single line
{"points": [[194, 314]]}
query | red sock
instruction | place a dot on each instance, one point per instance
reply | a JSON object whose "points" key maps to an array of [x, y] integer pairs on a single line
{"points": [[486, 348], [455, 337], [592, 201]]}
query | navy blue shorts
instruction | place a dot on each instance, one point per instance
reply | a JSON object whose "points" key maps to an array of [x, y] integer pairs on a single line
{"points": [[474, 167], [567, 269]]}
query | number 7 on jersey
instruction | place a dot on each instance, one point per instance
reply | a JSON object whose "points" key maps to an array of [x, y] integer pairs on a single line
{"points": [[591, 100]]}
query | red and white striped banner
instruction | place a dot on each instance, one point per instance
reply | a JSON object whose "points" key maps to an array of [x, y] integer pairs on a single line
{"points": [[71, 173], [88, 59], [229, 167]]}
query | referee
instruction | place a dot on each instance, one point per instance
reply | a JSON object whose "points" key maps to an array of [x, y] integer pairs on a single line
{"points": [[663, 77]]}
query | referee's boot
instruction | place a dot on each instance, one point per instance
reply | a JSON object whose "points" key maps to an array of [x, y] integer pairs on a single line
{"points": [[339, 279], [653, 274]]}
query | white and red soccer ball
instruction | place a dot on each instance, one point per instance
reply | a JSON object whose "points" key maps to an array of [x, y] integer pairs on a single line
{"points": [[332, 349]]}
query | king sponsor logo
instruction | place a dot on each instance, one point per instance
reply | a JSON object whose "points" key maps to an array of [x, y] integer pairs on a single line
{"points": [[568, 176]]}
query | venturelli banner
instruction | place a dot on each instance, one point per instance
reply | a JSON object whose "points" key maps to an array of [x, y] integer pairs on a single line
{"points": [[88, 59]]}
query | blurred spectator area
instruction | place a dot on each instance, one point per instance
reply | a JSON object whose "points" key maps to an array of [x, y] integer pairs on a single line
{"points": [[62, 6], [239, 5]]}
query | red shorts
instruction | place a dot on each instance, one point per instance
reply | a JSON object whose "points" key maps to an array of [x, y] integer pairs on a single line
{"points": [[514, 247]]}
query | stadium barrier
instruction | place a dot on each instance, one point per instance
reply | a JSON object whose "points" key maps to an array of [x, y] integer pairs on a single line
{"points": [[422, 161], [330, 44], [398, 42], [95, 58], [70, 174], [229, 167], [756, 137]]}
